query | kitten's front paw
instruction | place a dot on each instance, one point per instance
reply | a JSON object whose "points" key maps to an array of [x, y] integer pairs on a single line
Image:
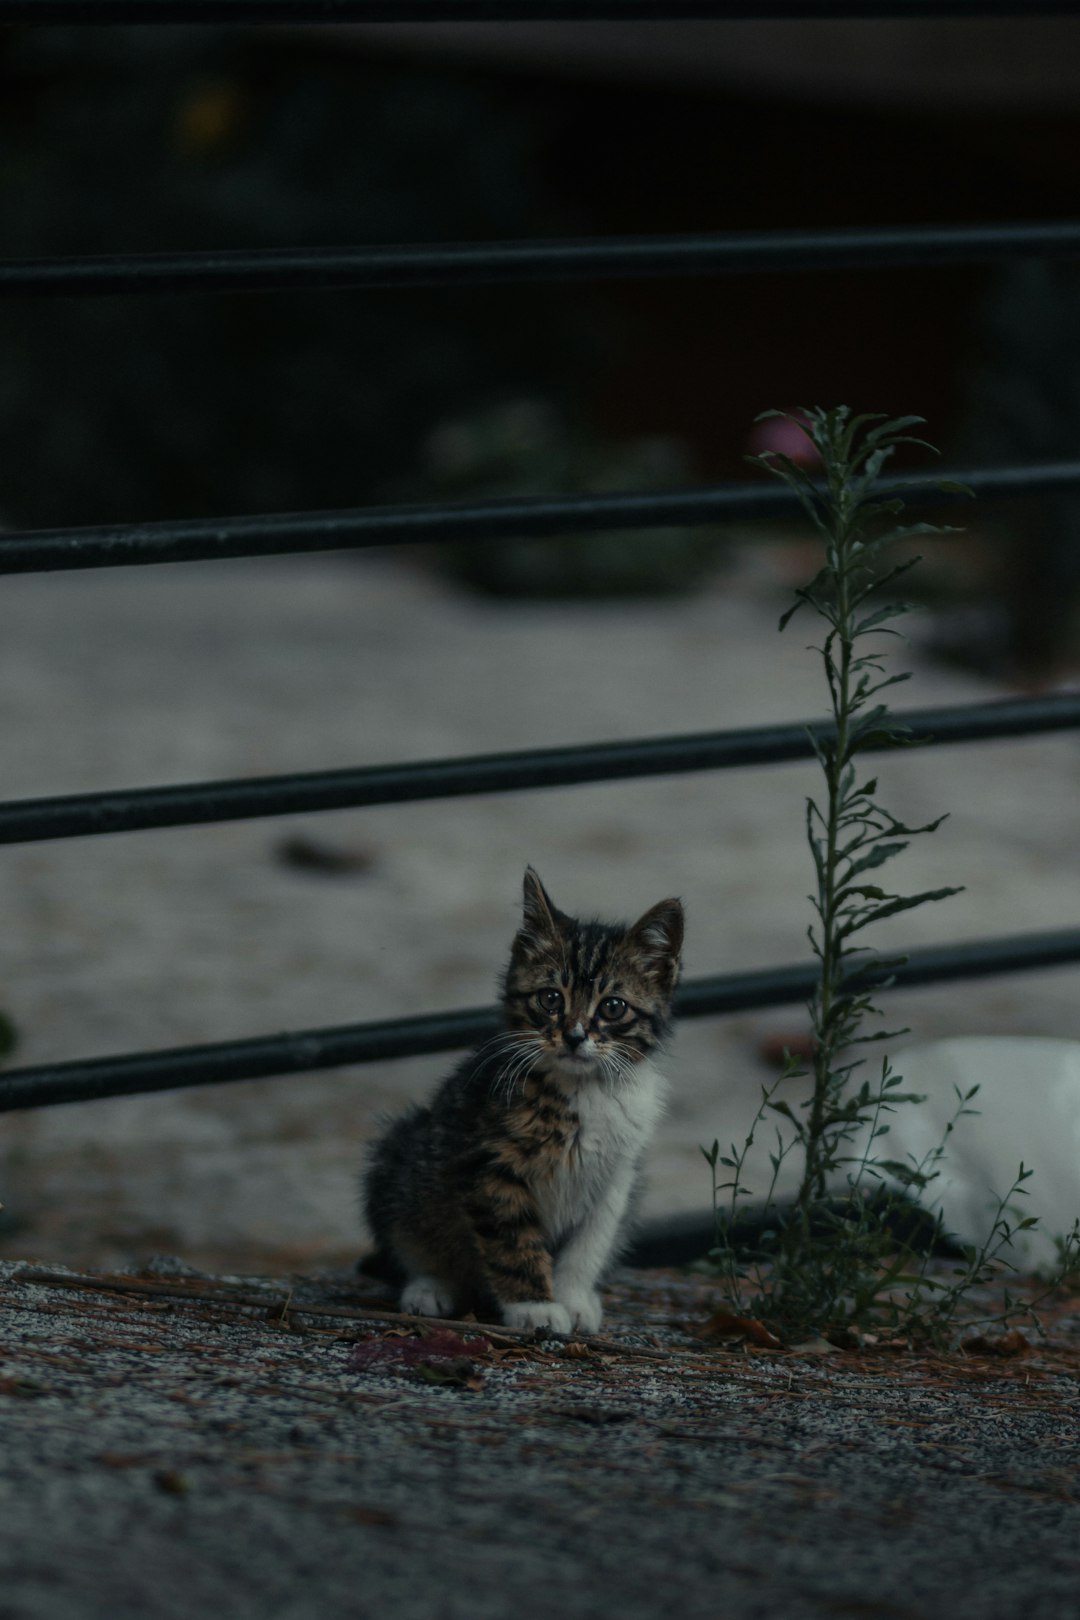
{"points": [[584, 1308], [537, 1313], [427, 1296]]}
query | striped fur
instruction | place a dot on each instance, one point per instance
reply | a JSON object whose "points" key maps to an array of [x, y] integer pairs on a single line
{"points": [[510, 1191]]}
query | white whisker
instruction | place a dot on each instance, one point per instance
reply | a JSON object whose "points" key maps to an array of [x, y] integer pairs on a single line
{"points": [[504, 1038], [623, 1058], [525, 1049]]}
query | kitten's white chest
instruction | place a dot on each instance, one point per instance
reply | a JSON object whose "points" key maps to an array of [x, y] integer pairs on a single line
{"points": [[614, 1128], [617, 1124]]}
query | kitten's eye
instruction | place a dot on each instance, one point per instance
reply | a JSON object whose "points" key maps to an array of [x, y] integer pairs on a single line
{"points": [[550, 1000], [612, 1007]]}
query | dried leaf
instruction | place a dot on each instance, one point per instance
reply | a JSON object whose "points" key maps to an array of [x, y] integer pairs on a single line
{"points": [[457, 1370], [24, 1389], [434, 1355], [1013, 1343], [724, 1324], [370, 1515], [597, 1415], [440, 1341]]}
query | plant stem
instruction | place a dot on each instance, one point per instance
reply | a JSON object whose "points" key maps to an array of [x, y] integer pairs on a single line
{"points": [[833, 1268], [813, 1187]]}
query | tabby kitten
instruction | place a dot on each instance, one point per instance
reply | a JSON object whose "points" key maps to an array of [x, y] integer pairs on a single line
{"points": [[509, 1191]]}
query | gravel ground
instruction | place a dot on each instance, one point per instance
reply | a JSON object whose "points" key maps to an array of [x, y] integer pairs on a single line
{"points": [[173, 1450], [158, 939]]}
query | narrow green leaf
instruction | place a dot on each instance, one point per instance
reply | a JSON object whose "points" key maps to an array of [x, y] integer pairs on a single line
{"points": [[890, 427], [882, 615], [893, 907], [949, 486], [876, 857]]}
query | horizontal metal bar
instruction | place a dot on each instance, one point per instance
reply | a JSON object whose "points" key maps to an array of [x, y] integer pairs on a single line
{"points": [[488, 263], [279, 533], [194, 803], [423, 11], [276, 1055]]}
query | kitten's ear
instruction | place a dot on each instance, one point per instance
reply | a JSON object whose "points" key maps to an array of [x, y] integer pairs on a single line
{"points": [[657, 938], [539, 921]]}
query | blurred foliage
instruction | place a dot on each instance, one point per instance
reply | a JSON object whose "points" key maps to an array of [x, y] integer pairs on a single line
{"points": [[152, 140], [525, 447]]}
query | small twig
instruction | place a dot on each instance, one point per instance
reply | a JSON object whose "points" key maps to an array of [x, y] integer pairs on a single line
{"points": [[499, 1336]]}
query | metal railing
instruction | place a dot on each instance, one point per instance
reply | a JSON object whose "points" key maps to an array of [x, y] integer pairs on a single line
{"points": [[484, 264], [81, 815], [310, 12]]}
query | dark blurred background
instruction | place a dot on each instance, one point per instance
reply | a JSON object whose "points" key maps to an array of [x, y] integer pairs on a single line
{"points": [[156, 139]]}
